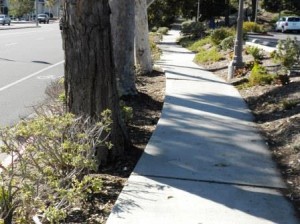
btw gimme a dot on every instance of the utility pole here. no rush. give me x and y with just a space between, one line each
238 43
36 12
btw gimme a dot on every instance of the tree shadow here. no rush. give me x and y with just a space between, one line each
206 151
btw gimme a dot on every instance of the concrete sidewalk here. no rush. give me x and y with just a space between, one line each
205 162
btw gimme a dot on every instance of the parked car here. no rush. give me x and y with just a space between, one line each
288 23
4 19
43 18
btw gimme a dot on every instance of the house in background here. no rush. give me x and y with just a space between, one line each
55 10
3 7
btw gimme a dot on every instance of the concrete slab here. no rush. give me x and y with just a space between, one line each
170 201
204 135
206 130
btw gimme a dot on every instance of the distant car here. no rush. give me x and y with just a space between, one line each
288 23
43 18
4 19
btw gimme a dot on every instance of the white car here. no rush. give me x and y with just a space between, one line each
288 23
43 18
4 19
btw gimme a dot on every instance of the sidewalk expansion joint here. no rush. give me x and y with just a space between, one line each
191 80
211 181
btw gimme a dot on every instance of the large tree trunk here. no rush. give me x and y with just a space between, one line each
90 81
142 46
123 27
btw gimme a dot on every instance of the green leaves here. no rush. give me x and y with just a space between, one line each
288 53
52 174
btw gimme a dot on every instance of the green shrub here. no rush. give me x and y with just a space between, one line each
227 43
185 41
154 38
219 35
195 29
255 52
208 56
53 173
197 45
163 30
252 27
154 29
288 53
126 112
260 76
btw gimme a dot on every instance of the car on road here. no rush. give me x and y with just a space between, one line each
43 18
4 19
288 23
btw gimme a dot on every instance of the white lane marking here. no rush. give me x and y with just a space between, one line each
29 76
46 77
10 44
28 32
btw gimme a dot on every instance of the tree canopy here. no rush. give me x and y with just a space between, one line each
278 5
163 12
21 7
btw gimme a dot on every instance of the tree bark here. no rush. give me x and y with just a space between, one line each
123 27
142 46
90 82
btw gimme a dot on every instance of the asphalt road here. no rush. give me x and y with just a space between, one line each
272 38
29 60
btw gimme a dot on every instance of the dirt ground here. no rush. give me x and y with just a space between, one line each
147 106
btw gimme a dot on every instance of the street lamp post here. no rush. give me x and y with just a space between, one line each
198 11
238 43
256 11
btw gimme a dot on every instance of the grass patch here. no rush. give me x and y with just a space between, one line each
186 41
155 51
197 45
260 76
241 84
208 56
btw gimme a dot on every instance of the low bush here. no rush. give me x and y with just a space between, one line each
186 41
154 38
208 56
227 43
220 34
154 29
194 29
255 52
54 158
252 27
288 53
197 45
163 30
260 76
